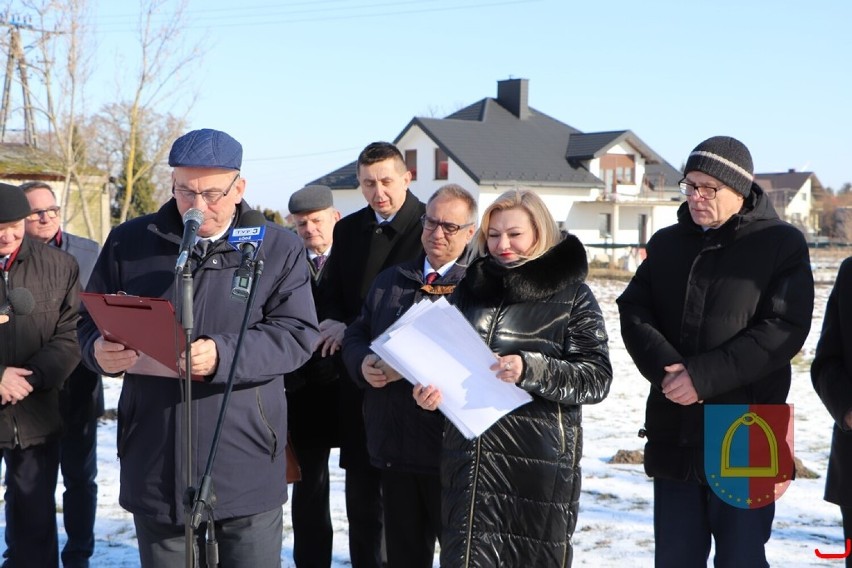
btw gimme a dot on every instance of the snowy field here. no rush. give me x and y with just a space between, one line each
615 523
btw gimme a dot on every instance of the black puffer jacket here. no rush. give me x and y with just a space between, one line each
510 496
733 305
831 374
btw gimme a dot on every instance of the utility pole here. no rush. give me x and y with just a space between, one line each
15 60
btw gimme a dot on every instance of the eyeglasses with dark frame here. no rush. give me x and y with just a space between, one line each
706 191
210 196
50 213
449 229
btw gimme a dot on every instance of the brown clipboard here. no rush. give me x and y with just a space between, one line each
146 325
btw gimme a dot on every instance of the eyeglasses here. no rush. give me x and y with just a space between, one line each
50 213
705 191
449 229
210 196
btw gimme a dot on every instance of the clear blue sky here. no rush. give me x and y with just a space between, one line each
304 85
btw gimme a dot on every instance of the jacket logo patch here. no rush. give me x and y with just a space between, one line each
748 452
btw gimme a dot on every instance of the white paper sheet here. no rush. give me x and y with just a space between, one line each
433 344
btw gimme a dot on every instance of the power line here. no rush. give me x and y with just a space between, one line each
295 156
271 17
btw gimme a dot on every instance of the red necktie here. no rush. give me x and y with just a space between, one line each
431 277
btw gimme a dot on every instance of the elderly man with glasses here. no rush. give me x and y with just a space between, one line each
403 441
713 315
37 353
248 475
81 400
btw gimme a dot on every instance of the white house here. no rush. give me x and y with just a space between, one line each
608 188
793 196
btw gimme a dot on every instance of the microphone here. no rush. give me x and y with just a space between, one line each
246 238
192 219
19 301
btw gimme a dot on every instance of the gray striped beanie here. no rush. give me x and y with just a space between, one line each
726 159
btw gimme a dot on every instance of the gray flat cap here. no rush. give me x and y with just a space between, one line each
206 148
310 198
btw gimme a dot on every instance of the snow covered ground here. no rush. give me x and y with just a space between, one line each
616 509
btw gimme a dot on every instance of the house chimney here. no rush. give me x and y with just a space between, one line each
512 95
791 171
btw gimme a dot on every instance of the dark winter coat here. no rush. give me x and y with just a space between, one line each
510 496
82 398
831 373
45 341
733 305
249 471
313 390
362 249
400 435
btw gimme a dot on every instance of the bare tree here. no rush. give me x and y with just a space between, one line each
64 32
163 55
110 129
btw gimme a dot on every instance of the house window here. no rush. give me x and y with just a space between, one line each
411 163
441 164
618 169
605 225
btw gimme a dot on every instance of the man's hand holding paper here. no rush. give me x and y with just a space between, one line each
377 372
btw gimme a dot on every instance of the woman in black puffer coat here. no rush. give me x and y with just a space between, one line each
510 496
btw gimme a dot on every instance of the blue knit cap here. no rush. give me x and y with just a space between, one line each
206 148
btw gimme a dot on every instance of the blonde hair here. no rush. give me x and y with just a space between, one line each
546 230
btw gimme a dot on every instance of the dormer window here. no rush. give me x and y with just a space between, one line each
618 169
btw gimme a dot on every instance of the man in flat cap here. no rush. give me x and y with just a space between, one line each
313 390
248 474
37 353
713 315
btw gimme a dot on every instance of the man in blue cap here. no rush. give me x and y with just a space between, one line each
249 471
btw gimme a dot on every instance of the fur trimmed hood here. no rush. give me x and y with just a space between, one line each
563 265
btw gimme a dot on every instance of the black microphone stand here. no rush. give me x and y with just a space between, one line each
188 322
205 497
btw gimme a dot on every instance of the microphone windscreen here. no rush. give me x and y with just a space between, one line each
193 215
21 300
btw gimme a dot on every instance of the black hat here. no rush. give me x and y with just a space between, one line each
726 159
13 203
206 148
310 198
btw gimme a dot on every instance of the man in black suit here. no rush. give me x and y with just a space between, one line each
384 233
313 390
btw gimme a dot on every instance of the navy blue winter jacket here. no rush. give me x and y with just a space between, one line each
249 472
